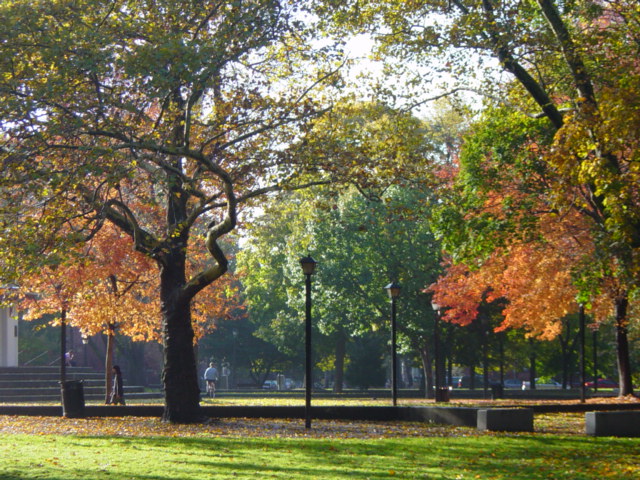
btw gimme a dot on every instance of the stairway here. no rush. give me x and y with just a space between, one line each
42 384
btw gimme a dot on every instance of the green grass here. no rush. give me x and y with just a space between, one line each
513 457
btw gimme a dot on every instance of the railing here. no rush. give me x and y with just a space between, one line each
36 358
55 361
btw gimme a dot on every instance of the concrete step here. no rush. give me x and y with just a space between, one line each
27 370
43 391
30 383
92 398
38 384
45 374
54 395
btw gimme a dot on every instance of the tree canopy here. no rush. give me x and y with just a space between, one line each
571 64
168 120
160 118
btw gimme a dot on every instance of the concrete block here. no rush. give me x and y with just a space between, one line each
506 419
459 416
613 424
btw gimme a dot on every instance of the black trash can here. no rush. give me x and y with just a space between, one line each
442 394
73 399
497 391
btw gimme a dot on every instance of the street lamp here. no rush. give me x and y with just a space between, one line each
582 359
308 265
436 348
393 289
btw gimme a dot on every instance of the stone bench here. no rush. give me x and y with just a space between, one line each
506 419
613 424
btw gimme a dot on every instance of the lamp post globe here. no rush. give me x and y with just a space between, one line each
308 265
393 290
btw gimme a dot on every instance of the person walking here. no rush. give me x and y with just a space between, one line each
211 377
117 387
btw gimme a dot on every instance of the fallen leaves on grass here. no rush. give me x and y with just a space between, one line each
561 424
228 427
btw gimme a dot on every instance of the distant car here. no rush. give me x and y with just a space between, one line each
270 385
602 383
548 385
540 385
513 383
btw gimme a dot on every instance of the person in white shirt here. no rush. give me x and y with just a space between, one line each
211 377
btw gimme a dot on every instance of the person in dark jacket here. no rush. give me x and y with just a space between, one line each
117 387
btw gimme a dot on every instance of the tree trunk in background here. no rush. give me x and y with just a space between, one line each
595 360
428 373
622 343
108 361
501 355
63 347
341 348
532 365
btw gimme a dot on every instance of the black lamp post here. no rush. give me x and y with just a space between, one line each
595 360
234 366
393 289
436 348
582 359
308 265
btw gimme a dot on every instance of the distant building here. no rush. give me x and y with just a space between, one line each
8 337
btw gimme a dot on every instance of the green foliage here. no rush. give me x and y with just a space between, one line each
371 145
498 188
360 246
365 368
363 236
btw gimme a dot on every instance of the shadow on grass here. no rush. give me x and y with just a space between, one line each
513 457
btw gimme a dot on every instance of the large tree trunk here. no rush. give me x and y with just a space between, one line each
622 343
179 376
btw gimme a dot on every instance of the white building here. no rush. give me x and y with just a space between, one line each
8 337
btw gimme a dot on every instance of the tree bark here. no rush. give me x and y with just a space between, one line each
108 362
472 376
63 347
622 342
532 365
341 344
179 376
428 375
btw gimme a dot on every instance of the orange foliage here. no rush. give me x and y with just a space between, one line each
114 284
219 300
534 278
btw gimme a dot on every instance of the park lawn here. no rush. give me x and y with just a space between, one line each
456 454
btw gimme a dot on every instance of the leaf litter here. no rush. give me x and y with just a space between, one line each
563 424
